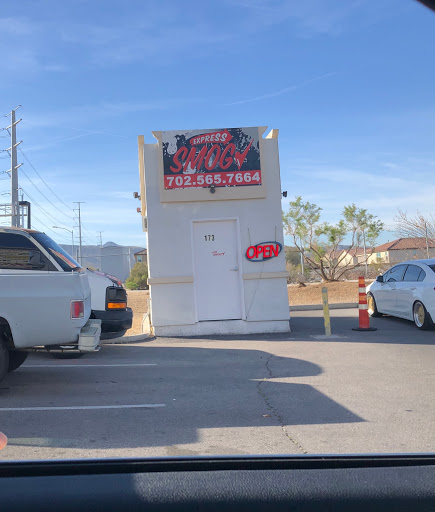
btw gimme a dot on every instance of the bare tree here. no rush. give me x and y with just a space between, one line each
419 226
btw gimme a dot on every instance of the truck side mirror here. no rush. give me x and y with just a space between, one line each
380 279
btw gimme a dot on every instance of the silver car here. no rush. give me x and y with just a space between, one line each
407 291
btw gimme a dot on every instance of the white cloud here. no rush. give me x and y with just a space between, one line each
281 91
135 40
383 192
313 18
76 115
55 68
16 26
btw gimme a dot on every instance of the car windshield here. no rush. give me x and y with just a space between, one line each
60 255
218 187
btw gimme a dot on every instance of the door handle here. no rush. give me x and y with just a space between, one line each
235 269
412 288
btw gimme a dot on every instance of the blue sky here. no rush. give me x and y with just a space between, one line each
349 84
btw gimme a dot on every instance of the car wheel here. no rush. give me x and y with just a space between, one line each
16 359
422 318
4 360
371 306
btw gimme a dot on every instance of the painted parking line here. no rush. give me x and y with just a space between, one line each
82 407
85 365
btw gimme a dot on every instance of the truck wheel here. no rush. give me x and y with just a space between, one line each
4 360
16 359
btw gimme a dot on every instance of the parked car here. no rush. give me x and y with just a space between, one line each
41 304
406 290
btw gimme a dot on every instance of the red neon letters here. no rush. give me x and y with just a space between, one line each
263 252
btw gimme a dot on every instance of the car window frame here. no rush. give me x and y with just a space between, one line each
401 277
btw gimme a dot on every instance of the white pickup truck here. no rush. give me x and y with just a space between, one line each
45 299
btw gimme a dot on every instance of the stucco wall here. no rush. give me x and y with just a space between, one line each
170 261
396 256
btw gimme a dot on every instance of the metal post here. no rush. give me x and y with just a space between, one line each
326 318
302 256
365 252
101 250
427 243
72 237
15 219
22 209
80 230
29 219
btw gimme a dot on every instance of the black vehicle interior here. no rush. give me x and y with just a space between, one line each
334 483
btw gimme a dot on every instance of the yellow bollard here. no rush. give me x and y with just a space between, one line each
326 318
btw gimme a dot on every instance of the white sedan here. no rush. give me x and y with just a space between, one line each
407 290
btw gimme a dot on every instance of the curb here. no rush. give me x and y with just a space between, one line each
138 338
319 307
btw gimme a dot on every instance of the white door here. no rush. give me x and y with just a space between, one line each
408 290
217 279
386 296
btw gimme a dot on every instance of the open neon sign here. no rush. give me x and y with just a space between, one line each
263 251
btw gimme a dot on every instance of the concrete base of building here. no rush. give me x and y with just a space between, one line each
222 327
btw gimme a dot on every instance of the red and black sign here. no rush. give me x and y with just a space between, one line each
263 251
223 158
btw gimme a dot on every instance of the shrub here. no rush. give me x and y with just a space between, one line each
138 278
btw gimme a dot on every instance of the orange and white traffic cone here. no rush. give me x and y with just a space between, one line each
3 441
364 322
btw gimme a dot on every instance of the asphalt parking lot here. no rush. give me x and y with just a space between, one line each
294 393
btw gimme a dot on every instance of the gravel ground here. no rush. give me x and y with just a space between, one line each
137 300
343 291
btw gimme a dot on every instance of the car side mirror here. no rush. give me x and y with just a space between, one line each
380 279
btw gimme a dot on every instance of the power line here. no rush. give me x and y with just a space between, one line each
43 195
47 227
42 210
42 179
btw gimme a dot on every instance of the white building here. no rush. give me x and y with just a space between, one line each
211 207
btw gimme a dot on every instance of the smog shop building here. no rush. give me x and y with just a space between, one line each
211 208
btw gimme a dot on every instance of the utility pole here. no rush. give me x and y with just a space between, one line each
15 218
365 252
101 248
22 209
78 203
72 237
427 243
